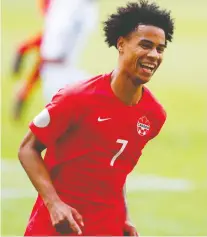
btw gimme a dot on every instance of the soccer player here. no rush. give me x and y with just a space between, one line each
94 133
68 25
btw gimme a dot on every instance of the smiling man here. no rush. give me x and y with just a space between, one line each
94 133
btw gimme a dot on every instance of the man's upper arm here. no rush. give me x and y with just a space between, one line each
31 141
55 119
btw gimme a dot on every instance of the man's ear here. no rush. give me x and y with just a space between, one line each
120 44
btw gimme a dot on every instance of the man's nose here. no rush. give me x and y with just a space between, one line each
153 54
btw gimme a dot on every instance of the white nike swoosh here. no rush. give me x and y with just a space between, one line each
102 119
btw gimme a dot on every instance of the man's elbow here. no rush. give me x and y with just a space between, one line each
22 152
29 148
26 146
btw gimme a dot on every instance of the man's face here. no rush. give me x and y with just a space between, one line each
141 52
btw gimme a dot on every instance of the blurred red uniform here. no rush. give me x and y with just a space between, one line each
43 5
93 142
32 43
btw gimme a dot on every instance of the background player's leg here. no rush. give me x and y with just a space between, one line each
32 43
25 90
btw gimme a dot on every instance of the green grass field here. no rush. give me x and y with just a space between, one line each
179 153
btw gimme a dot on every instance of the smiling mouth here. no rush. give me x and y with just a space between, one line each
148 67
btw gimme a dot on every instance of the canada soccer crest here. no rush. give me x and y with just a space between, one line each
143 126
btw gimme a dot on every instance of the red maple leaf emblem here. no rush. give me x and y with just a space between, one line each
143 126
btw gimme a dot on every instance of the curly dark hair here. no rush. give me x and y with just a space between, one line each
128 18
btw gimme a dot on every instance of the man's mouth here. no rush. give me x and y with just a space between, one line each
148 67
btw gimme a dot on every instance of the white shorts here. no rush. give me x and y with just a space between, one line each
68 25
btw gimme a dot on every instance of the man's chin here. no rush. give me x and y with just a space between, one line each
145 80
142 80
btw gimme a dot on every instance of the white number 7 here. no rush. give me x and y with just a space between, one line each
124 143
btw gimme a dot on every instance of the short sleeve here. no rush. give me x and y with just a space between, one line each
56 118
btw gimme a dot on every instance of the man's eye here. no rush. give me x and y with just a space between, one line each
160 50
144 46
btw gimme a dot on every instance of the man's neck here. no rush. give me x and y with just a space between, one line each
123 87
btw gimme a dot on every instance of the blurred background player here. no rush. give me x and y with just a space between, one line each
67 28
30 44
68 25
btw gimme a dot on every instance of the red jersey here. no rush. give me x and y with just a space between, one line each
93 142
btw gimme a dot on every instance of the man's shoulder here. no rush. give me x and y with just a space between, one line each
154 103
79 93
84 87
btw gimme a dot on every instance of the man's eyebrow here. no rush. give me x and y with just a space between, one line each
150 42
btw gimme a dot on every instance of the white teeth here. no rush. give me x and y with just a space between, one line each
148 65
